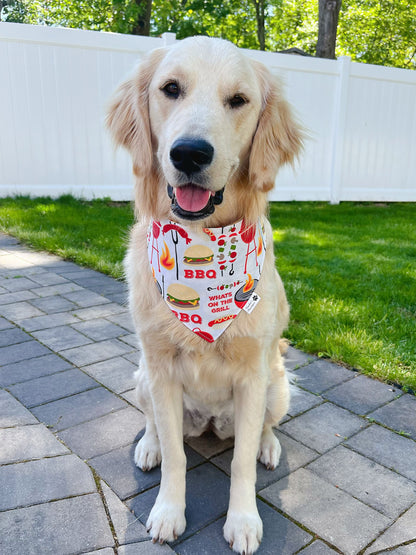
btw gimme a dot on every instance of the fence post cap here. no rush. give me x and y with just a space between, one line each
168 38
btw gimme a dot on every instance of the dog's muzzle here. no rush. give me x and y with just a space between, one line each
191 200
214 200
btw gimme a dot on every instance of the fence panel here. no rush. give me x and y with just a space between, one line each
55 83
379 161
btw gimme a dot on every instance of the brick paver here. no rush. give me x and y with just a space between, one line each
96 352
16 311
33 482
104 434
61 337
362 395
13 413
67 526
373 484
48 321
388 449
22 443
326 510
99 329
13 336
115 373
69 423
302 401
320 375
126 526
323 427
49 388
118 470
39 366
144 548
5 324
399 414
22 351
401 531
76 409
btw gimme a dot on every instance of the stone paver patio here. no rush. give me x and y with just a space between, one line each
346 482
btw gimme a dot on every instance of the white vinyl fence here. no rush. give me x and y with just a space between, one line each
54 85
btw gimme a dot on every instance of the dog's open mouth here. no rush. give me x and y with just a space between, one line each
192 202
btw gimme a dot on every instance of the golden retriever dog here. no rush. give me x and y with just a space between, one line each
207 129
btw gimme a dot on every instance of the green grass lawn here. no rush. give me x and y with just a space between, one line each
349 270
93 234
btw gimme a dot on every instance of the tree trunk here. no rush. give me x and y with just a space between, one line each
260 19
327 32
142 26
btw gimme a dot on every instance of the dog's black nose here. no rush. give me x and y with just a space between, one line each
191 155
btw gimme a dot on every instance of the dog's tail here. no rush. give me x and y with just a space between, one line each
283 345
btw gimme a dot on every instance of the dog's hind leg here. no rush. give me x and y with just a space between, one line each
147 454
269 450
277 405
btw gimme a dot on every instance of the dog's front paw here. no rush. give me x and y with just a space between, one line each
269 451
243 531
166 522
147 454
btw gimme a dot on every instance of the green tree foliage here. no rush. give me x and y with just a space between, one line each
379 32
99 15
287 22
230 19
292 23
371 31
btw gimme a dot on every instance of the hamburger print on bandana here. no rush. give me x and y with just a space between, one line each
206 277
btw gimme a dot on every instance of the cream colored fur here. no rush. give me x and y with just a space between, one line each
236 385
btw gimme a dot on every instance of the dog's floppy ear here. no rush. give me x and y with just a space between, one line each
128 114
278 138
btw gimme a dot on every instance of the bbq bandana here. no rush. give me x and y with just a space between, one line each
207 277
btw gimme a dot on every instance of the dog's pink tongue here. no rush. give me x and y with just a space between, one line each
192 198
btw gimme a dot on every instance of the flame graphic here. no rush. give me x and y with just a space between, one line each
260 247
165 259
249 284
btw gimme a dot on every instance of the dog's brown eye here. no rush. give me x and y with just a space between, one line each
237 100
171 89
